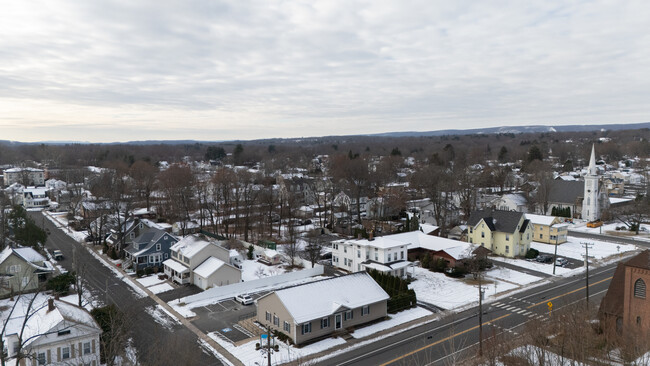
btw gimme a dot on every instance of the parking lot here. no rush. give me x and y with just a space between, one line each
223 317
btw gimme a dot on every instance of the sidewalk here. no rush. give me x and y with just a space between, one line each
229 357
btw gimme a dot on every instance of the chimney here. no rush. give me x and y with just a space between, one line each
370 238
50 305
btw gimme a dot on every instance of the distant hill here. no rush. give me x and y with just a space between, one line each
518 129
486 130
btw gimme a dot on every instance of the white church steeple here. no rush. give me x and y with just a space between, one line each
590 206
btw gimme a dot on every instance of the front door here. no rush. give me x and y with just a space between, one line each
337 321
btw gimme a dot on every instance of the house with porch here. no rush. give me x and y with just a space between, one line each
194 252
149 249
319 309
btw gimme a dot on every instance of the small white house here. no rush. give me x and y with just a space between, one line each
56 334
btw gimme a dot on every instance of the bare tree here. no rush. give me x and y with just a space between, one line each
314 248
352 172
144 177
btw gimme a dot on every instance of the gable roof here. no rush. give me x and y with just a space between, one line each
417 239
612 303
43 320
641 260
498 220
541 219
190 245
566 191
147 239
322 298
208 267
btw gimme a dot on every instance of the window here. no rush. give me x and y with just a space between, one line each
41 358
470 240
541 236
365 310
325 323
287 327
482 234
470 230
348 315
401 254
86 348
389 257
63 332
132 235
15 268
639 289
507 237
345 249
376 256
158 247
358 253
306 328
166 255
507 249
268 316
65 353
276 321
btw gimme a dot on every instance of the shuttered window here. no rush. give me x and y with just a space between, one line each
639 289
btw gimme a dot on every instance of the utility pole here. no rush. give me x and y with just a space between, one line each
555 257
587 246
480 315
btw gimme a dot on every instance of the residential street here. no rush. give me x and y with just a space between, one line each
105 286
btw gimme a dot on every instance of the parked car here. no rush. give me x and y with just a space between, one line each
544 258
57 254
244 299
561 262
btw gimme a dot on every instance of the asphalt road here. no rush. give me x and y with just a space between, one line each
457 336
147 334
618 239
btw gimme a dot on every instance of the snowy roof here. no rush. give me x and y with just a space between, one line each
176 266
619 200
29 254
517 199
208 267
322 298
270 253
43 320
417 239
428 228
190 245
382 242
387 267
540 219
36 191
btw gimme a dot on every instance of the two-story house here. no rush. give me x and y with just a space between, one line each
149 249
383 253
548 229
22 270
197 260
505 233
35 198
56 334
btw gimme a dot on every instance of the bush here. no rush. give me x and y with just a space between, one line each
148 271
439 265
456 272
282 337
61 283
532 253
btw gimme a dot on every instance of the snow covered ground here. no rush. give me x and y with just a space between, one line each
573 248
536 266
395 320
449 293
509 275
150 280
253 270
163 287
581 226
247 354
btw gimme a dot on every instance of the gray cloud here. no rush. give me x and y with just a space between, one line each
300 68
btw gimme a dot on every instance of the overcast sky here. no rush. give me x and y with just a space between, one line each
209 70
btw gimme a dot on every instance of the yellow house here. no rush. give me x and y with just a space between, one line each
548 229
505 233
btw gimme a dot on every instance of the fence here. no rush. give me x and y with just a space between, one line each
219 293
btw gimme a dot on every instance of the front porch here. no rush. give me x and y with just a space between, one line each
177 272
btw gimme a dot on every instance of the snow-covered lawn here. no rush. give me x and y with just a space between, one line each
150 280
535 266
610 228
509 275
247 354
253 270
448 293
163 287
573 248
395 320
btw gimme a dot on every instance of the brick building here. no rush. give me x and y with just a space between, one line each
626 306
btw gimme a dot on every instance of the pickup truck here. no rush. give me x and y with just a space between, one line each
57 254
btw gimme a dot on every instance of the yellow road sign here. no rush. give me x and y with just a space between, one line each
550 304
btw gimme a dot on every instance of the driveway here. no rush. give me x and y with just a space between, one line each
223 317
